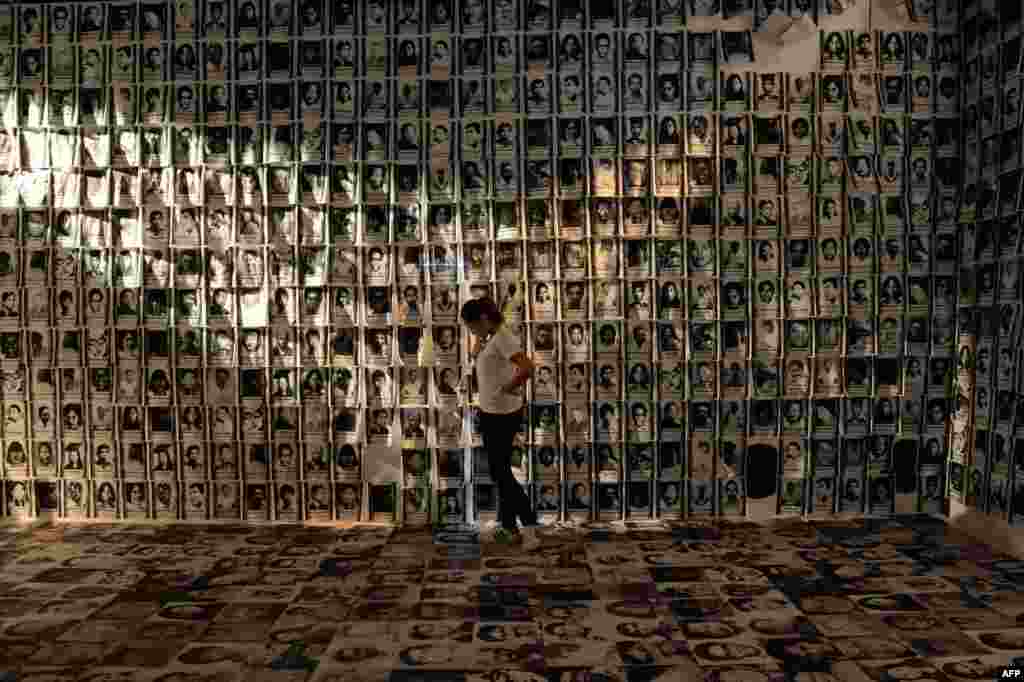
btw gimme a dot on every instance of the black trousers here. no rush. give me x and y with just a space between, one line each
498 432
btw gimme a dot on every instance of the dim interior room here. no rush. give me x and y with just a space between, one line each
764 255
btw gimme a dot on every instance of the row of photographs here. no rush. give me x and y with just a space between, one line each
217 104
567 219
289 112
385 144
675 441
247 335
621 638
878 456
408 428
441 56
293 354
291 501
636 421
223 346
160 241
338 200
382 345
253 268
444 54
797 214
831 296
499 226
254 262
399 152
800 213
411 55
702 457
35 23
385 347
248 264
640 182
637 213
701 300
289 349
381 348
126 245
547 498
112 243
644 187
444 143
883 197
285 347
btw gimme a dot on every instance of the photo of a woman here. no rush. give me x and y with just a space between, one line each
833 51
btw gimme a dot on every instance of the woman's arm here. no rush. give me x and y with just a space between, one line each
474 346
524 365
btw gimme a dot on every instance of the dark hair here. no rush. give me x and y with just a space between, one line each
479 309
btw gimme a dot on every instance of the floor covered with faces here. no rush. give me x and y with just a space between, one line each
850 601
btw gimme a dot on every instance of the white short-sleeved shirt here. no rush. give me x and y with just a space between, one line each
494 369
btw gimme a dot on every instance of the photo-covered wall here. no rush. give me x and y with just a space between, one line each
228 227
986 467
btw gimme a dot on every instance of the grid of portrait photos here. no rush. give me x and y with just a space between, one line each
987 429
227 230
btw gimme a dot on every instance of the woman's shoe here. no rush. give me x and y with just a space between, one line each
503 536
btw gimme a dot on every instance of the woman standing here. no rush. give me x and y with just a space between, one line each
502 370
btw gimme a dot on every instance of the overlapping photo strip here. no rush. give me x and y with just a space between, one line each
226 229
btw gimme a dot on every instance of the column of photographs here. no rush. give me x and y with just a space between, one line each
292 253
989 421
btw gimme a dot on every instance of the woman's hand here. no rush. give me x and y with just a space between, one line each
523 371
